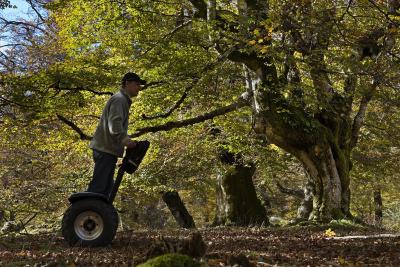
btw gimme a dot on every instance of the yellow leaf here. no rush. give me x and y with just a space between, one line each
297 54
257 31
264 50
252 42
341 260
330 233
274 147
260 41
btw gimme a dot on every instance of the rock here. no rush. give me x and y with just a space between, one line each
193 247
239 260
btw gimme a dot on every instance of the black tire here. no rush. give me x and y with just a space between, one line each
89 223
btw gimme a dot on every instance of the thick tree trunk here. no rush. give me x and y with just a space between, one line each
306 206
329 174
321 143
237 201
178 209
306 194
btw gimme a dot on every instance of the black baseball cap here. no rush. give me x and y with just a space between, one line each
131 76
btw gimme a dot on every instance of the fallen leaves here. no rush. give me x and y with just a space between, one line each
298 246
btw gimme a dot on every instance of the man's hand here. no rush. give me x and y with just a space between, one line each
131 143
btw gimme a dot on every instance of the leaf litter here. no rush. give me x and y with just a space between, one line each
226 246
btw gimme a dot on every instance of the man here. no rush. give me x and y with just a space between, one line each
111 135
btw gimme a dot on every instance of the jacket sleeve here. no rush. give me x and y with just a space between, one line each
115 121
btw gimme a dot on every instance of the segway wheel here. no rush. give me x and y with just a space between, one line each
89 223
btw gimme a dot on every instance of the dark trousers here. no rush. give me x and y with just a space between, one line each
103 174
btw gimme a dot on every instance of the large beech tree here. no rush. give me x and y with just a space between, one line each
315 66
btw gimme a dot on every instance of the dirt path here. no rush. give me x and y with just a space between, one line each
299 246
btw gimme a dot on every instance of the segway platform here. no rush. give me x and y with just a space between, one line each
91 219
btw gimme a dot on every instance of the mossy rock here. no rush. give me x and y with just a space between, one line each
171 260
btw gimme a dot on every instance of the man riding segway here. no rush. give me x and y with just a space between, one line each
92 220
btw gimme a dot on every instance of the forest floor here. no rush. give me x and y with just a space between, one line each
284 246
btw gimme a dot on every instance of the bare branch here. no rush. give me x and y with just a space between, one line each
20 23
8 60
74 127
242 101
36 10
13 45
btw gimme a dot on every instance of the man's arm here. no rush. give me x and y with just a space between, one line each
115 121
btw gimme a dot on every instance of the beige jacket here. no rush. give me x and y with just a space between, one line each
111 134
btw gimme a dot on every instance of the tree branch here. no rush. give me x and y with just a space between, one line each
195 80
359 118
383 12
168 35
74 127
36 10
14 103
20 23
153 84
347 11
242 101
289 191
57 87
174 107
350 84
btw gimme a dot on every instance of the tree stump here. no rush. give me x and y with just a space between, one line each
237 201
178 209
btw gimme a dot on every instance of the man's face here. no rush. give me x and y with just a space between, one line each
133 88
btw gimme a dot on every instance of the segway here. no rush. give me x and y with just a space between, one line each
91 220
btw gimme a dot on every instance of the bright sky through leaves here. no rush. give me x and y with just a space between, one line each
20 12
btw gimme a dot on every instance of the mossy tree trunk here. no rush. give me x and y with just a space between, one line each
322 143
306 206
306 196
237 201
330 176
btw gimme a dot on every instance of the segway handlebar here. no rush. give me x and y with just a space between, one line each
130 163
